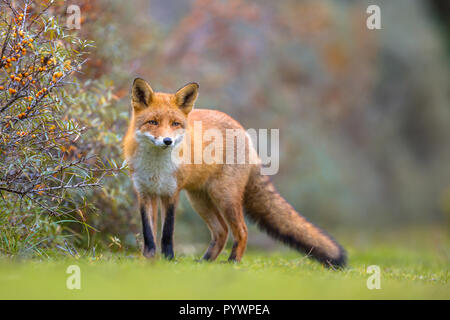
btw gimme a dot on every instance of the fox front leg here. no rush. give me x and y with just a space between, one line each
147 209
169 206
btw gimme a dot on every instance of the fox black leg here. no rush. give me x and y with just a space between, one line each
167 233
149 241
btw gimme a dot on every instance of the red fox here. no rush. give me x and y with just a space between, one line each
219 192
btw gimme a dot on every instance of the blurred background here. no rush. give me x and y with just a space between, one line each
364 115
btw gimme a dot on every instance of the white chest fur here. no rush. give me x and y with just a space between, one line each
154 171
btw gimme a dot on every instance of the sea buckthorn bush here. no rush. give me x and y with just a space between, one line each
46 164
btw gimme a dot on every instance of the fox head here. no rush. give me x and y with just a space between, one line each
160 119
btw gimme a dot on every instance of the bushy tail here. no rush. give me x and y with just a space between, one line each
279 219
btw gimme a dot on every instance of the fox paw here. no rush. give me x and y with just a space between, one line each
149 253
168 252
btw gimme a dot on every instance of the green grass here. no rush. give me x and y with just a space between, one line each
408 271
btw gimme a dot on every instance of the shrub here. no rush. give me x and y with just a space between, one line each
45 161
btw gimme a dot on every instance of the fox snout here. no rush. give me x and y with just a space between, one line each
161 141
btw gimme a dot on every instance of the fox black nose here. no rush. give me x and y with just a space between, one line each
167 141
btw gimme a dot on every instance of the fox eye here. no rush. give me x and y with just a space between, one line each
153 122
176 124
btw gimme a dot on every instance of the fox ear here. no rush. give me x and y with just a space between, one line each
141 94
186 96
